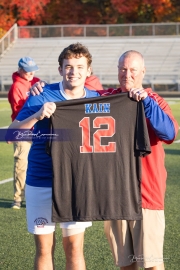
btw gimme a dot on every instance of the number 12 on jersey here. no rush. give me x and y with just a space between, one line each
97 135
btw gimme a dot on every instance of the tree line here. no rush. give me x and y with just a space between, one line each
51 12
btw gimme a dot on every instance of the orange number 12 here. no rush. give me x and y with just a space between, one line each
98 134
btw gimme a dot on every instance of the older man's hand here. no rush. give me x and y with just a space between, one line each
36 89
138 94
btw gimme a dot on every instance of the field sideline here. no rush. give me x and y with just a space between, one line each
16 244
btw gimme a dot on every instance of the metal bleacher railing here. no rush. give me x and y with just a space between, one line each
118 30
8 39
6 42
149 29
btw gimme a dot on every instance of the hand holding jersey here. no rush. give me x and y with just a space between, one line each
46 110
138 94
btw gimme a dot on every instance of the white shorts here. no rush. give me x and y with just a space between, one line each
39 212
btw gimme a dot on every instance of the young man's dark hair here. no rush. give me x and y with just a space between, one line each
75 50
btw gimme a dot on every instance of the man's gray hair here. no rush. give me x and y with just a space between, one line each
131 52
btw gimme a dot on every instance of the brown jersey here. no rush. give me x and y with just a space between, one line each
97 165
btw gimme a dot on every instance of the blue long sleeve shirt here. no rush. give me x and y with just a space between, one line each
159 120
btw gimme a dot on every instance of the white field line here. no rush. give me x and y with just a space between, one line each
6 181
5 110
178 141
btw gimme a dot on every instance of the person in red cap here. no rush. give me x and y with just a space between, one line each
23 79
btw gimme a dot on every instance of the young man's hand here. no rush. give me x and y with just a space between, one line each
46 111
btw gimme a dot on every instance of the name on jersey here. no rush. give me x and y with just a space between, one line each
97 108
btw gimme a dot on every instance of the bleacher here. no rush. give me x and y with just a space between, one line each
162 58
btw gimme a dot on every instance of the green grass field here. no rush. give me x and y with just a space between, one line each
17 245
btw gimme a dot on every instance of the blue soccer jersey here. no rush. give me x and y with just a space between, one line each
39 172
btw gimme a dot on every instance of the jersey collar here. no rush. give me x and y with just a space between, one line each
61 89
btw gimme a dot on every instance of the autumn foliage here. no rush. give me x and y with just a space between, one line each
146 10
22 12
51 12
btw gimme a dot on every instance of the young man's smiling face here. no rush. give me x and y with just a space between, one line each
74 72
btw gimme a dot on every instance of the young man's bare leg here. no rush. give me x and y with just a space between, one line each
44 258
73 247
133 266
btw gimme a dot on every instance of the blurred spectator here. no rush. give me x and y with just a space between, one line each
23 79
93 83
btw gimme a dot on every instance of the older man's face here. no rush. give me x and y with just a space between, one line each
131 72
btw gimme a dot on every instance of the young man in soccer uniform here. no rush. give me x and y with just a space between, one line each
74 66
23 79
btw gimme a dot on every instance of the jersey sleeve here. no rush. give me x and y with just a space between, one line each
32 105
143 147
160 118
